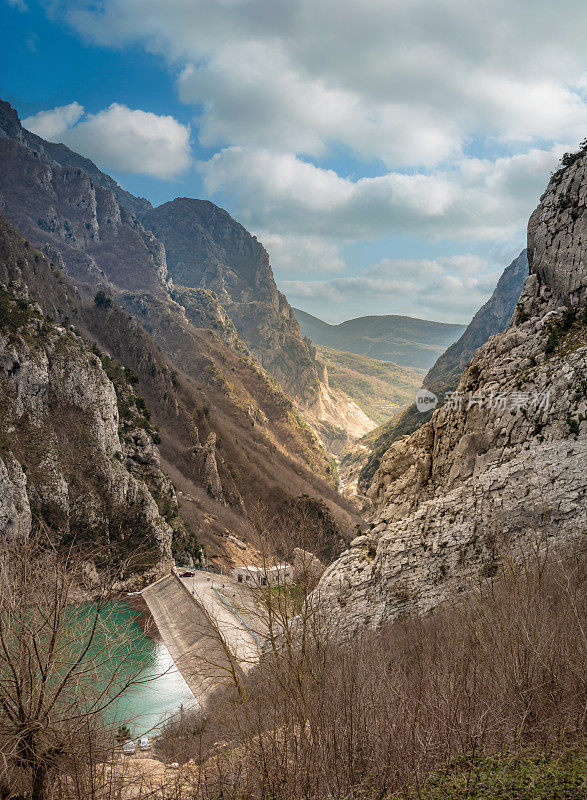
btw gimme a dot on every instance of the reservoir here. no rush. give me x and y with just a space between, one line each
159 690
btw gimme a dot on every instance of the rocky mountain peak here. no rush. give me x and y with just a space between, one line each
556 234
206 248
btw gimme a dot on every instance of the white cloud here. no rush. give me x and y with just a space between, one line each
20 5
476 198
405 81
446 289
412 88
296 255
119 138
53 123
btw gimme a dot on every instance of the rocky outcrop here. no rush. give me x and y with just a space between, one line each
307 567
210 469
501 466
68 458
207 249
15 509
443 377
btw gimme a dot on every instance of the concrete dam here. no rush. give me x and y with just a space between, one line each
208 639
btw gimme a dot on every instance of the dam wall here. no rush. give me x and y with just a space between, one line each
191 634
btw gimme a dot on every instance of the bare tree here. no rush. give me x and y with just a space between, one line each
63 663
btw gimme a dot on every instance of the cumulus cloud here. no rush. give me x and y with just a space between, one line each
451 116
53 123
476 198
406 82
295 255
447 289
119 138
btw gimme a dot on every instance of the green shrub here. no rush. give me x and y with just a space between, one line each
552 341
505 776
101 299
521 314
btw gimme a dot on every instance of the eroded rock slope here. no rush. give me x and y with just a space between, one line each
77 452
504 463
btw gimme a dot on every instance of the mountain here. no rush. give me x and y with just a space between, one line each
59 154
493 317
409 342
90 227
380 388
207 249
500 470
230 437
68 458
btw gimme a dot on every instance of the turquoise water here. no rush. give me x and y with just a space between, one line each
158 689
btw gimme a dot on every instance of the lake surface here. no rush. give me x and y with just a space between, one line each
160 691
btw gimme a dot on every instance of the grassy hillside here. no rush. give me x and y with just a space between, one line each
409 342
380 388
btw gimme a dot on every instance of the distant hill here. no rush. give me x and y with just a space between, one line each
380 388
493 317
409 342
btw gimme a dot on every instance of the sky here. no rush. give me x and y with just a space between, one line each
387 153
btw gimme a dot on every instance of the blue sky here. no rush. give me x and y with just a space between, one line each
387 152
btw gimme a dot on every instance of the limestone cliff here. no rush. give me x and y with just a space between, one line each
76 451
503 463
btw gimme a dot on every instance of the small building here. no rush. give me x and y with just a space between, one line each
276 575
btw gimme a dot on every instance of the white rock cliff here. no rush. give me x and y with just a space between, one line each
504 464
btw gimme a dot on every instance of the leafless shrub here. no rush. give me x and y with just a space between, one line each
500 665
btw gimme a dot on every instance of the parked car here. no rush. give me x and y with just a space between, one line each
144 743
128 748
187 574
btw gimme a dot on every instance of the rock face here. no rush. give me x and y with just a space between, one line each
67 454
443 377
207 249
502 464
307 567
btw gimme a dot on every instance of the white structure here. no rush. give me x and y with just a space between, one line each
277 575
